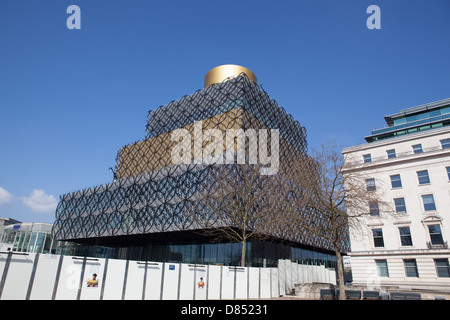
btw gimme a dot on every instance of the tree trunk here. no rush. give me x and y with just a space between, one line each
340 270
244 244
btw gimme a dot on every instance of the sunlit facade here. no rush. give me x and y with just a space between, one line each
144 212
403 242
30 237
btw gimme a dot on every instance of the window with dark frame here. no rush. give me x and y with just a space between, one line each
378 237
411 268
370 184
445 144
435 234
373 207
367 158
442 268
428 202
405 236
382 268
423 177
391 153
396 181
417 148
400 205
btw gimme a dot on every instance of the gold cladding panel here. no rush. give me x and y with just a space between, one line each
155 153
221 73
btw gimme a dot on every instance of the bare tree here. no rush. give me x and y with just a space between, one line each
326 200
238 205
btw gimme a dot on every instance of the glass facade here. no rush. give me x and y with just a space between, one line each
409 131
422 116
258 253
32 241
412 120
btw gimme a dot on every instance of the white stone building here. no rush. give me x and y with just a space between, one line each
405 244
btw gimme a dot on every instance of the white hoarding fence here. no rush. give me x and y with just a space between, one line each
29 276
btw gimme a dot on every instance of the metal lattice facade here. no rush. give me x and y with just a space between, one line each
150 194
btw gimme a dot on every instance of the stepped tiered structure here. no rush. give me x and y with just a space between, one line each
148 203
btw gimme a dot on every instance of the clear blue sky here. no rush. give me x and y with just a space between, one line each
69 99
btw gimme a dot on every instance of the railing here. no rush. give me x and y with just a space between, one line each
410 124
398 155
443 245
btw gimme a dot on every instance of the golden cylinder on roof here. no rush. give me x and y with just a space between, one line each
221 73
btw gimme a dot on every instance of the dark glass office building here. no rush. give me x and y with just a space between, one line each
143 213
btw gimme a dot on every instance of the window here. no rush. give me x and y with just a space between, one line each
445 143
370 184
382 268
435 234
374 210
423 116
396 182
411 118
398 121
417 148
423 177
435 113
378 237
428 202
411 268
391 154
442 268
445 110
367 158
448 173
405 236
400 206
